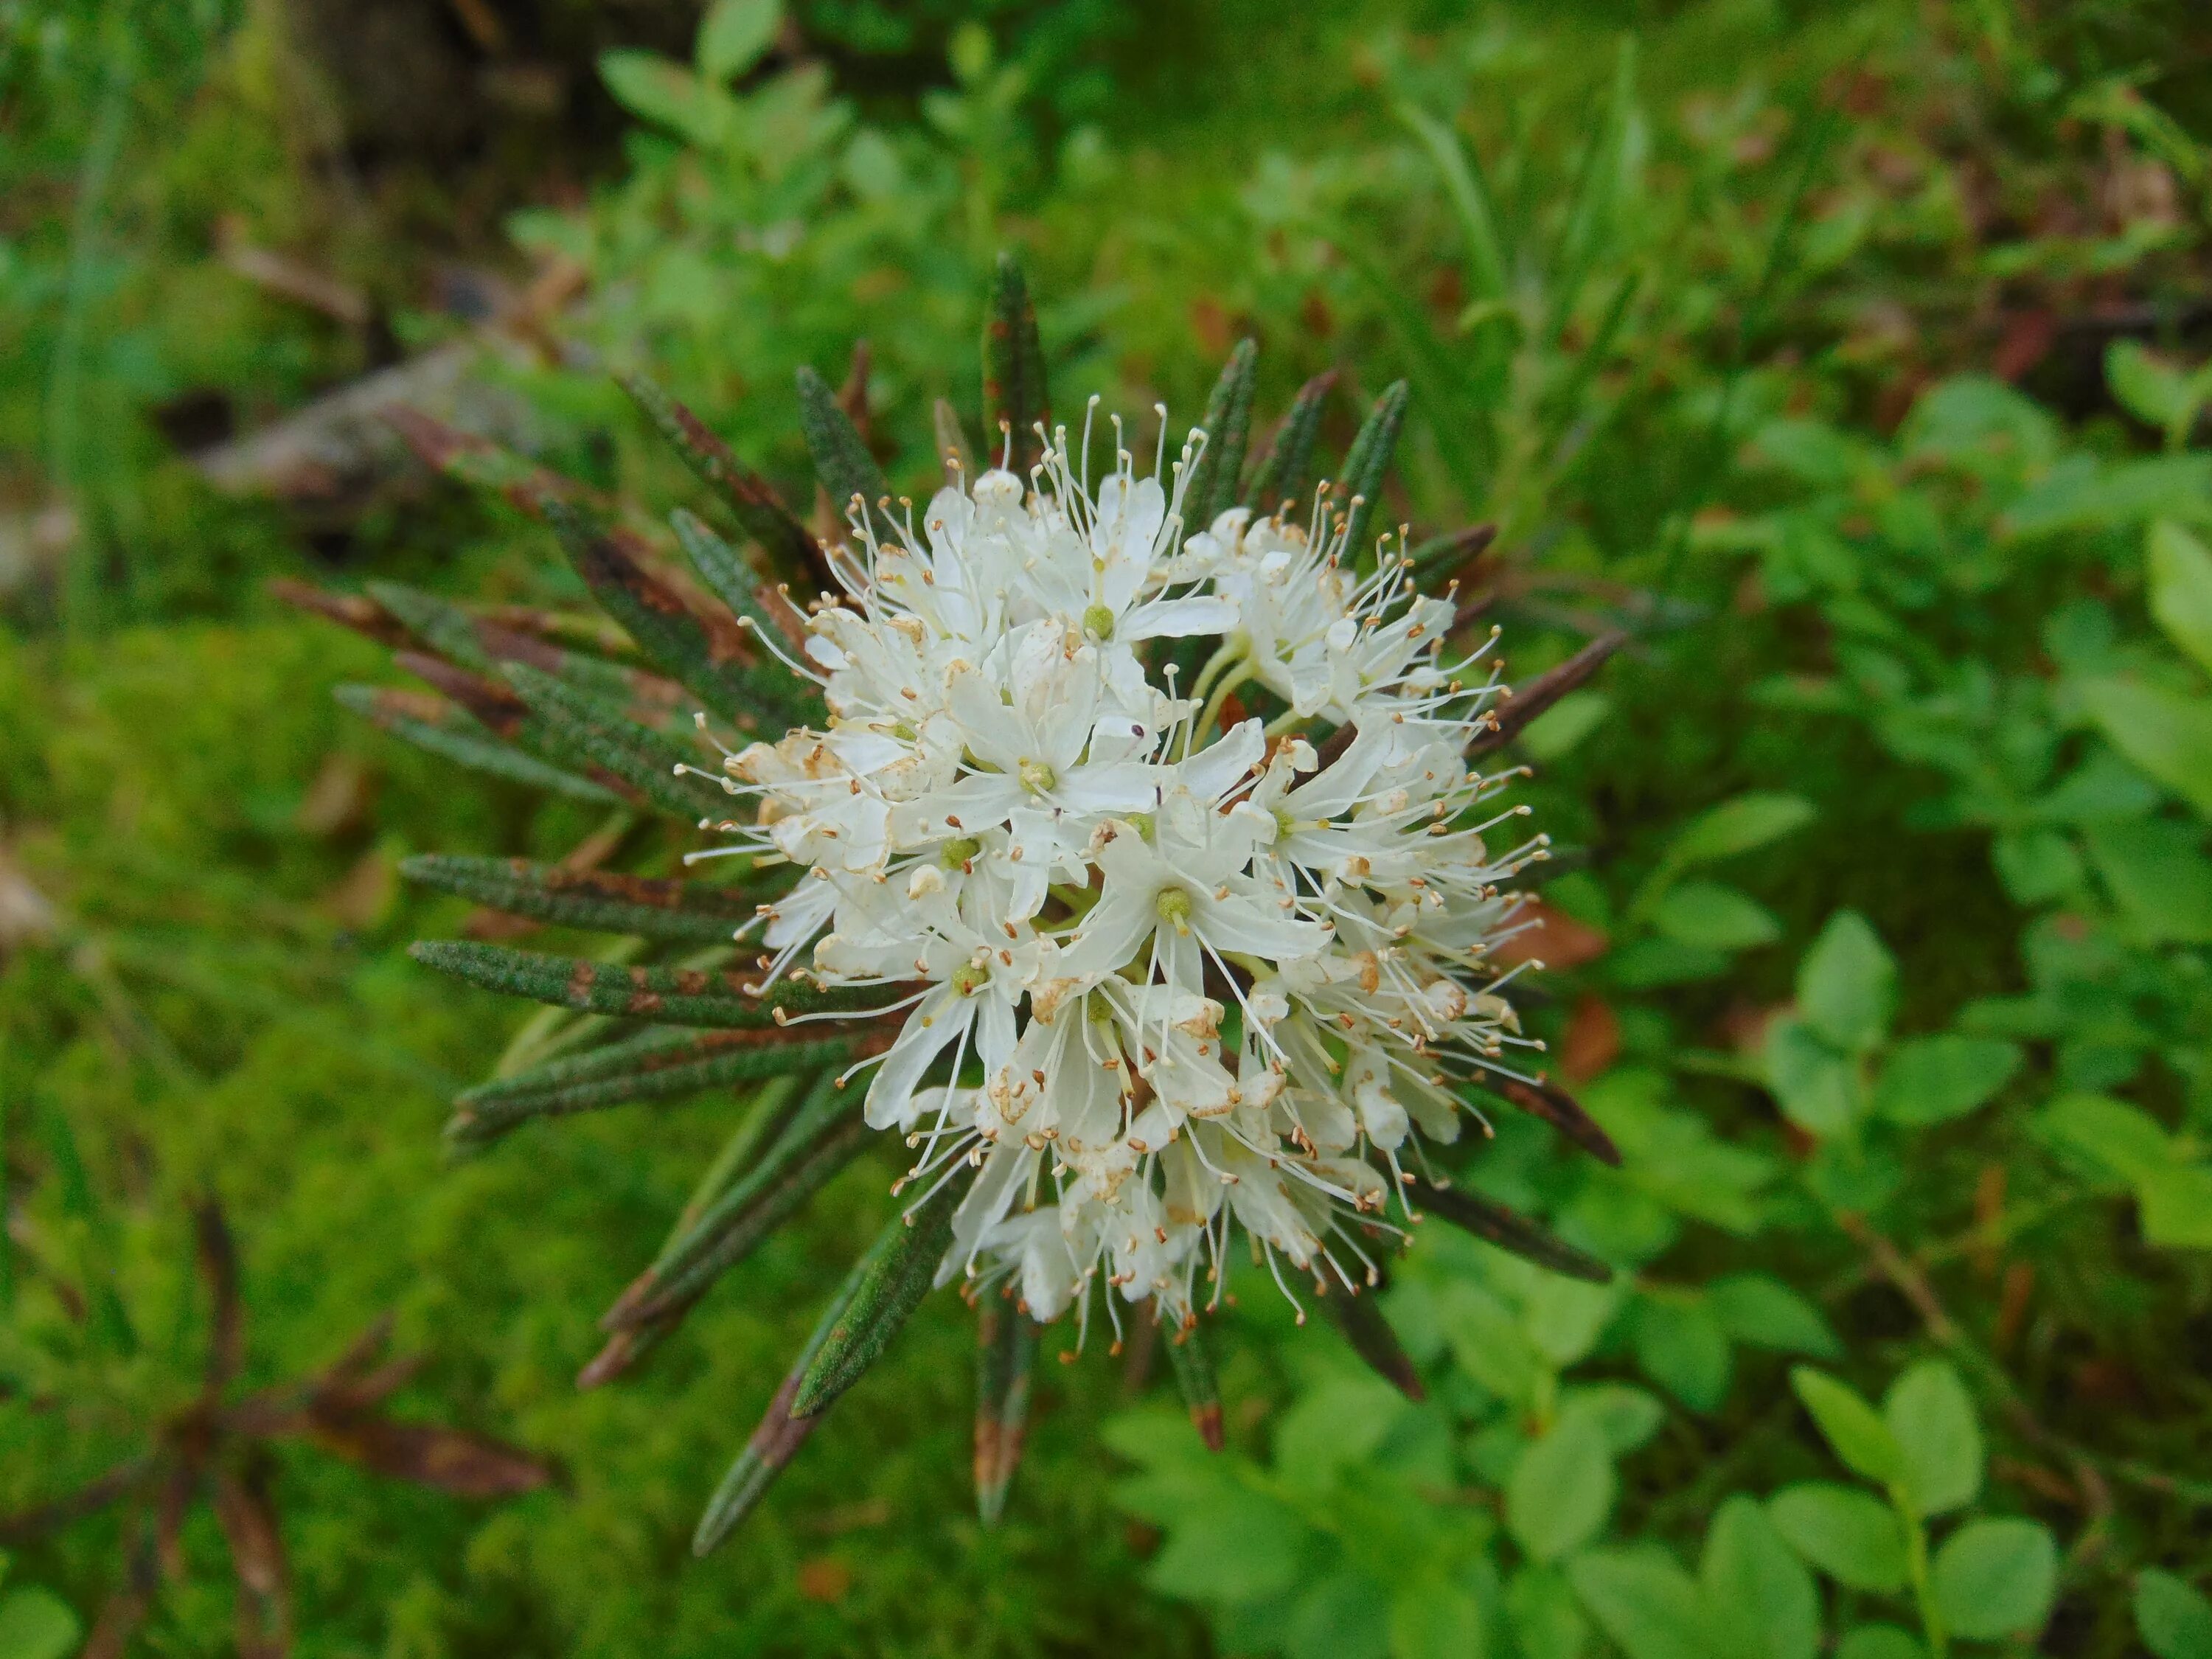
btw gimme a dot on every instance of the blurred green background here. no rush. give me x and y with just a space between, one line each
1851 355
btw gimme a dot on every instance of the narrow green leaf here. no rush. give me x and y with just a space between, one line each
790 549
445 731
793 700
701 652
480 646
1369 462
655 1066
721 999
583 730
1015 399
1190 1356
821 1136
841 459
891 1280
1228 426
1006 1353
1281 479
776 1441
598 900
1469 196
1509 1230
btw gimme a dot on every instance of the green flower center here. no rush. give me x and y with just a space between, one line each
1174 906
1036 776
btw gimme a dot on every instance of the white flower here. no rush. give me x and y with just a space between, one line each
1158 977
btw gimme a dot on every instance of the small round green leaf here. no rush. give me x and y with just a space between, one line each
1994 1578
1853 1430
1562 1489
1847 1534
1932 1421
2172 1616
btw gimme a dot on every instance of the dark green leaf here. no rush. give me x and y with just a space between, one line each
1190 1355
1282 477
431 724
1005 1352
888 1286
704 652
592 733
843 461
719 998
791 552
1508 1230
1369 462
656 1065
1015 400
2173 1616
821 1138
599 900
1228 426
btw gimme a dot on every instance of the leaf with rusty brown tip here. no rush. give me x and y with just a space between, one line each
1511 715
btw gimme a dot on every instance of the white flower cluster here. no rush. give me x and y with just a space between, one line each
1168 976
